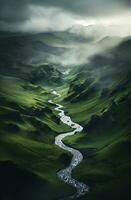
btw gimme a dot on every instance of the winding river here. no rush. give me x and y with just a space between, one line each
65 174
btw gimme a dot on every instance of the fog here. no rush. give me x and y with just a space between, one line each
50 15
85 18
79 53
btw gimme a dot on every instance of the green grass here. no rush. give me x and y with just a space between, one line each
12 89
29 123
27 130
106 121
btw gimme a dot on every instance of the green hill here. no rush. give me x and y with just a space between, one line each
97 95
101 103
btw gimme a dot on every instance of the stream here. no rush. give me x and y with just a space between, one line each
65 174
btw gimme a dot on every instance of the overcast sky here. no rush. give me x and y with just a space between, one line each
44 15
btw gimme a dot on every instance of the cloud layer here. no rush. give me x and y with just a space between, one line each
55 14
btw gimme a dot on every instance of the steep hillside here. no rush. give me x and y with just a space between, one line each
99 98
21 49
28 126
96 94
46 74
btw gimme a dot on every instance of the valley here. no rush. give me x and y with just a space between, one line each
96 95
77 157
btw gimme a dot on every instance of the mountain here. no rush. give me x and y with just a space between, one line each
96 94
46 74
28 123
99 98
22 51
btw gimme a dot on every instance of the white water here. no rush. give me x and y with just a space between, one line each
65 174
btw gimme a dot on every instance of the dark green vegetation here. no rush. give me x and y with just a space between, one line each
97 95
100 99
28 127
20 183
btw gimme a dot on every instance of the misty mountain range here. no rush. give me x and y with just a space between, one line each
90 68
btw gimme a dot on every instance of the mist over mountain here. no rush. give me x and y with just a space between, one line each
65 99
100 30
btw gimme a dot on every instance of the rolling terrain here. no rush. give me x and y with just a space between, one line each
102 105
96 94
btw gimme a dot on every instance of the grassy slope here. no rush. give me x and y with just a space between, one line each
29 124
27 130
106 140
107 129
107 171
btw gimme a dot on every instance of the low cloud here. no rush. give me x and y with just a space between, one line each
81 53
47 19
43 15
